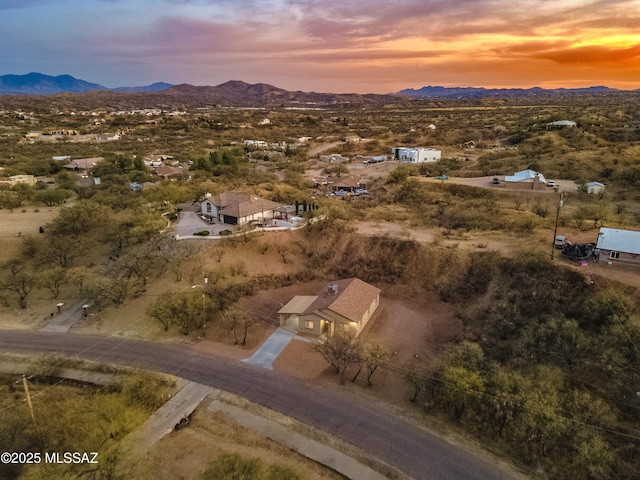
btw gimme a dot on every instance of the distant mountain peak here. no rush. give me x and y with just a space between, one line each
154 87
239 93
40 84
234 84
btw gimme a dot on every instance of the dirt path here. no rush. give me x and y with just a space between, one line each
323 148
500 242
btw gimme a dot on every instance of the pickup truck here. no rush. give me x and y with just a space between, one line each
560 241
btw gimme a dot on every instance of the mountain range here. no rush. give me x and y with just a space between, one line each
65 91
40 84
466 92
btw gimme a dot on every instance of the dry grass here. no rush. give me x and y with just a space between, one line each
17 224
186 453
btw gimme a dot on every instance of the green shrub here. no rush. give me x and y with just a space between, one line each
230 466
203 233
225 233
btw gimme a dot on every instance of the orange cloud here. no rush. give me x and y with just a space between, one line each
593 55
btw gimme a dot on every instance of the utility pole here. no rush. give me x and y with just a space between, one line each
555 230
204 301
33 416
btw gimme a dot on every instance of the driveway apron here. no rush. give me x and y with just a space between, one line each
271 348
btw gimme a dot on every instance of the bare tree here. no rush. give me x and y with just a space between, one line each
239 321
417 377
63 250
53 279
340 350
186 310
282 251
77 276
375 354
218 253
17 280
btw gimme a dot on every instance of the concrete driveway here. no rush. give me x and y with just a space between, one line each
272 347
189 222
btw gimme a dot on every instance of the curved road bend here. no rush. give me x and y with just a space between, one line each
413 450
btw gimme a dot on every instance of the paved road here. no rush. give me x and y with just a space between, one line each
396 441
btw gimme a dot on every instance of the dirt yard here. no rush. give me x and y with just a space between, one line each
19 223
185 453
413 326
487 182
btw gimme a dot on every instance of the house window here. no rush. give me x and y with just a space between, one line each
614 255
208 207
308 324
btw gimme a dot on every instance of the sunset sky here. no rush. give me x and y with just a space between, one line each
364 46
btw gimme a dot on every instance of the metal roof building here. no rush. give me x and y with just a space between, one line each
626 241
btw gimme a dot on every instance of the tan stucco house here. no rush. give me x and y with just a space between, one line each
341 305
26 179
238 208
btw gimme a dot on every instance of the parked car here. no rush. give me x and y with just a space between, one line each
442 177
551 183
496 181
340 193
362 191
560 241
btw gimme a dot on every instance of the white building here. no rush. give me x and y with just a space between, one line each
619 245
416 155
564 123
525 179
595 188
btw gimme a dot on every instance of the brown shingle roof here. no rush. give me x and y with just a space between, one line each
350 181
166 171
239 204
352 298
84 163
